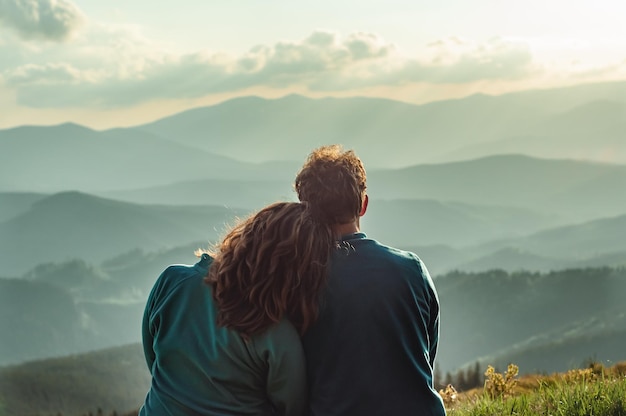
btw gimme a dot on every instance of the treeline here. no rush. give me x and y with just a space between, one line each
462 379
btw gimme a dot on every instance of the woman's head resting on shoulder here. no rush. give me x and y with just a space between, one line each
269 266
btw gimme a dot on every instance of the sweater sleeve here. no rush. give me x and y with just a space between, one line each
148 326
281 350
433 324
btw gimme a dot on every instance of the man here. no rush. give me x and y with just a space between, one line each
372 350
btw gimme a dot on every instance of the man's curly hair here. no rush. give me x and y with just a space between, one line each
332 182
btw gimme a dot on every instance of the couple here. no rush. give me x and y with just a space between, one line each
296 313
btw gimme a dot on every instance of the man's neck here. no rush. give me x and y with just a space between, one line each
347 228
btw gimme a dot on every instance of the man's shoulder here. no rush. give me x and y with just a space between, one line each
396 253
407 260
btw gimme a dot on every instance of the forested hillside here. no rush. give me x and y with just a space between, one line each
114 379
542 321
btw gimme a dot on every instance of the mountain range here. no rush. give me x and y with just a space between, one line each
385 132
73 225
72 157
574 190
581 123
516 203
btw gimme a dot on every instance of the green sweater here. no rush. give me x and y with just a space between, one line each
372 350
199 367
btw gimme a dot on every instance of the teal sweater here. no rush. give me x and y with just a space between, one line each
373 348
201 368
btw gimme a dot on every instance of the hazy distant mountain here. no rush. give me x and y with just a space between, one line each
512 259
562 99
132 274
444 259
75 225
37 320
384 132
580 242
572 190
76 306
592 131
138 166
40 320
392 134
72 225
256 129
583 122
251 194
403 222
15 203
568 190
439 259
71 157
595 243
568 123
563 191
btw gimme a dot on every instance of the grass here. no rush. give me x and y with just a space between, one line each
596 391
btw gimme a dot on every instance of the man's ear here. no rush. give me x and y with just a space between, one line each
366 200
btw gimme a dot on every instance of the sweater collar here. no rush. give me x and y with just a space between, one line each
205 262
353 236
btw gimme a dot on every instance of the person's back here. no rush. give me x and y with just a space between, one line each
199 367
222 337
372 349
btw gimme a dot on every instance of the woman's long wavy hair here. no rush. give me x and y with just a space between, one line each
272 264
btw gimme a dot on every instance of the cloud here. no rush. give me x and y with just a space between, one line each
319 53
616 70
459 61
55 20
115 72
36 75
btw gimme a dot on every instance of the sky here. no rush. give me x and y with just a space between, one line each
115 63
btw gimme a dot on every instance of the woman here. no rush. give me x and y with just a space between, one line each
222 337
